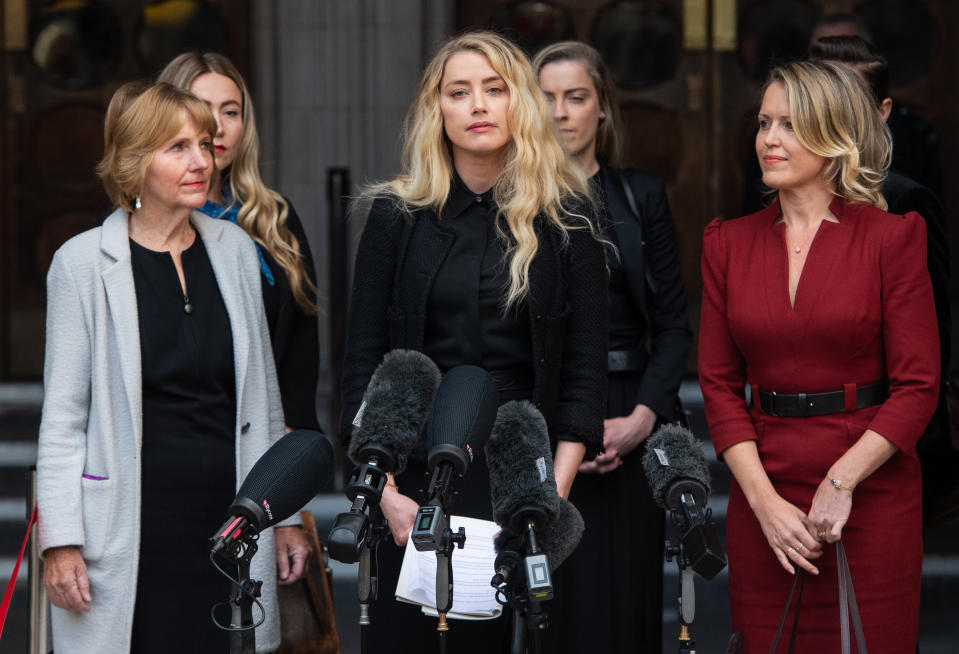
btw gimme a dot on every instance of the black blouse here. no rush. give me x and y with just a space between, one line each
189 387
188 469
465 323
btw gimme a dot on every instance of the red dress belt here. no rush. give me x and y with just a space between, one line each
801 405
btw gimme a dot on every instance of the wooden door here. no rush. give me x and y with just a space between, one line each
690 73
59 65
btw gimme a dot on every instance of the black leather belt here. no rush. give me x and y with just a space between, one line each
800 405
627 360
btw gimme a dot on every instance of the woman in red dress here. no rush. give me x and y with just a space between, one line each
823 293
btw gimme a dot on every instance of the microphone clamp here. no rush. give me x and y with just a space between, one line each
351 530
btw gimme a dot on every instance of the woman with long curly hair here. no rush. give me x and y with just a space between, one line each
822 303
286 264
480 252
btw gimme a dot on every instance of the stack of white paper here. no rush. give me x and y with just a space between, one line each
473 597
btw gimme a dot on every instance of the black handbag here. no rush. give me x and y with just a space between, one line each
848 612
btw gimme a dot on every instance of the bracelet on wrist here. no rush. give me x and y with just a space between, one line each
838 485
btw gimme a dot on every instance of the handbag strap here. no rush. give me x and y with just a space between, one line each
800 580
848 604
631 200
11 585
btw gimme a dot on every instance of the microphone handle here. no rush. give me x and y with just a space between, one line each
232 529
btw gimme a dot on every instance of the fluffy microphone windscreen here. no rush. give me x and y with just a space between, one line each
673 454
563 534
558 540
463 410
395 407
287 476
521 465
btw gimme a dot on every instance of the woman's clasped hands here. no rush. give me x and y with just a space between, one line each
789 533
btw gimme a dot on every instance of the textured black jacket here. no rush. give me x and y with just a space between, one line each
650 258
398 257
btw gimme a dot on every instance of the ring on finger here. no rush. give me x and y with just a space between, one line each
821 534
800 546
790 549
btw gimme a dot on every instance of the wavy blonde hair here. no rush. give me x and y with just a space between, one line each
609 146
834 116
263 211
138 121
538 177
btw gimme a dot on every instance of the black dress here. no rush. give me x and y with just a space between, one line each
608 594
188 468
464 326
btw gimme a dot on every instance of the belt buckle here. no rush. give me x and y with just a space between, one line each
803 410
772 403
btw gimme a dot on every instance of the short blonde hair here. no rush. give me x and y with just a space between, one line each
609 147
538 177
834 116
136 125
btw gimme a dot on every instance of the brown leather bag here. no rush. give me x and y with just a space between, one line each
306 607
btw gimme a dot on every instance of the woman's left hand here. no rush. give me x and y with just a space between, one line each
293 553
620 437
829 512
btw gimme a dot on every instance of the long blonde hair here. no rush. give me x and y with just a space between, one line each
834 116
538 177
262 211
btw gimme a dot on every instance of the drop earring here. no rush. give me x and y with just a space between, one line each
136 203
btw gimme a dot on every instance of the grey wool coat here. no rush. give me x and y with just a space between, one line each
91 428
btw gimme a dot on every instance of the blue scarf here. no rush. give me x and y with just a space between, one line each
230 212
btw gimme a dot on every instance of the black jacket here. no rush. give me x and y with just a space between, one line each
398 257
650 258
294 334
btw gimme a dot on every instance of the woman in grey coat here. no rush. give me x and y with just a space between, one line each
160 394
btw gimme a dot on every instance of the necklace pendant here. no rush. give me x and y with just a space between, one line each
187 307
797 249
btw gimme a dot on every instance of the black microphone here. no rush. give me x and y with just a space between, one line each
674 464
279 484
387 426
459 422
522 483
535 520
394 409
678 477
557 538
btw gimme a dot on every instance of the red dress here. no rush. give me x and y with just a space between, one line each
863 313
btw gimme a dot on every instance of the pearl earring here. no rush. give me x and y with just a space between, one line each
136 203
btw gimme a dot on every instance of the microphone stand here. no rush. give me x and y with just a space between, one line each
355 536
367 584
686 595
243 591
525 593
431 529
